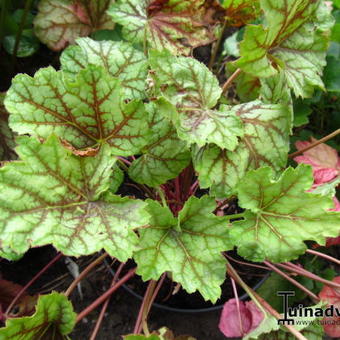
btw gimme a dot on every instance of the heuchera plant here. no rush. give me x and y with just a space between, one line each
145 109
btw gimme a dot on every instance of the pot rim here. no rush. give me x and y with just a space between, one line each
186 310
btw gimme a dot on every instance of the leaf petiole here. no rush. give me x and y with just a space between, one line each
318 142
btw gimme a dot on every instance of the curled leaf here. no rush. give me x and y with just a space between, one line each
54 319
237 322
194 91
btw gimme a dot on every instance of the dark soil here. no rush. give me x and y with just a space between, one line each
123 308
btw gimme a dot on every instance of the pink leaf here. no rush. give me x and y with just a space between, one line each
323 159
332 296
237 323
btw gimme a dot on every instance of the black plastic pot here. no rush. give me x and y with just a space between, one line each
185 310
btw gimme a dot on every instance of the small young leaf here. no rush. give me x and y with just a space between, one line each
53 196
7 143
120 59
178 26
189 246
294 39
265 143
281 215
86 111
54 319
194 90
60 22
164 157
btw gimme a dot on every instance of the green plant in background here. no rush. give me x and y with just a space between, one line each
143 108
16 29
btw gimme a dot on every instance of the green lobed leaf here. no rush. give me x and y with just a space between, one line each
189 246
54 319
86 111
194 91
265 143
164 157
293 39
53 196
120 59
60 22
178 26
7 142
281 215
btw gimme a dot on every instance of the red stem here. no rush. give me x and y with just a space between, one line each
245 263
147 303
294 282
125 160
106 304
23 290
103 297
298 270
237 304
325 256
193 188
138 325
